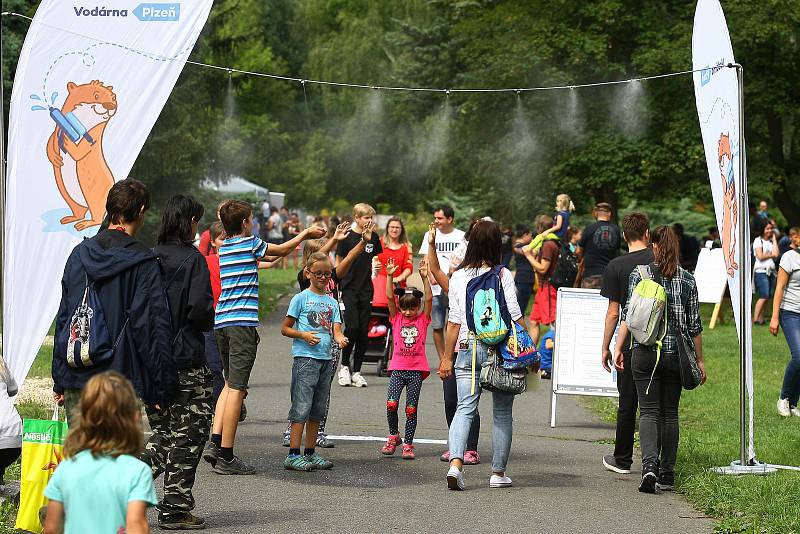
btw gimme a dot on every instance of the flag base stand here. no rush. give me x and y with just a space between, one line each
736 468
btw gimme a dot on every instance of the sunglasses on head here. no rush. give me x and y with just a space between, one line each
400 291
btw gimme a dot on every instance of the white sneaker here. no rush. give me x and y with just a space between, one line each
455 479
344 376
783 408
496 481
358 381
795 411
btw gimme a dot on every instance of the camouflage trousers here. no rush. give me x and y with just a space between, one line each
179 434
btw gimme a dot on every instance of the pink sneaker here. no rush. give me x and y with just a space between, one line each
408 451
391 444
445 457
472 458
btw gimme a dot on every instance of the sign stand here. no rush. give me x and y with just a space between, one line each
580 322
711 280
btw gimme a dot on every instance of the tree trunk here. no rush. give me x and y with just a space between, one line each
783 195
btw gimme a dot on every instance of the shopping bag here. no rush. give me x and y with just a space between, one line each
42 451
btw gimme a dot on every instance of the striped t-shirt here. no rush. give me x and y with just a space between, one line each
238 270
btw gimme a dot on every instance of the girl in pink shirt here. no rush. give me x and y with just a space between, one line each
409 365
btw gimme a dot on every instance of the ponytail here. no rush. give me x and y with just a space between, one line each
668 251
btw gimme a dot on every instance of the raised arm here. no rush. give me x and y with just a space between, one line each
433 261
391 268
342 231
315 232
427 302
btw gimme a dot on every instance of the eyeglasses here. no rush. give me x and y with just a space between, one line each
321 274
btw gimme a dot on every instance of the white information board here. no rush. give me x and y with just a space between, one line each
710 275
580 321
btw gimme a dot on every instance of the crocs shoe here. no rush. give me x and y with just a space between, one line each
391 444
472 458
408 451
445 457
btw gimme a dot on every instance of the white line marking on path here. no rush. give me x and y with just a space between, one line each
379 438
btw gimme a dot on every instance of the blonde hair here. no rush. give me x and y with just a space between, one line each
564 203
361 210
315 258
312 246
109 422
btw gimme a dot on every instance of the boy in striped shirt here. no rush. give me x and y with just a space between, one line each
235 324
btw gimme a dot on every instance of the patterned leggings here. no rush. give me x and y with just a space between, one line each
412 381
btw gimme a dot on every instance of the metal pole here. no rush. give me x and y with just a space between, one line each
744 250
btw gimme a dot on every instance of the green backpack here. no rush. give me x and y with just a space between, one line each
647 312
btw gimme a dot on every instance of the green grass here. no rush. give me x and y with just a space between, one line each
710 437
273 284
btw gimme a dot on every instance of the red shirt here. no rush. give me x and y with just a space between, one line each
216 284
205 244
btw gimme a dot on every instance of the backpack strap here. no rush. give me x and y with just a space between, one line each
653 268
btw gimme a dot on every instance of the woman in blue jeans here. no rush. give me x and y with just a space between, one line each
657 377
786 315
483 252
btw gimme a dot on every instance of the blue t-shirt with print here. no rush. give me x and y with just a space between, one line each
95 491
314 313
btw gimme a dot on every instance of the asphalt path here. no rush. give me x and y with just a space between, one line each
560 484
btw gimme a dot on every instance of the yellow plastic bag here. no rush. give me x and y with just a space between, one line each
42 451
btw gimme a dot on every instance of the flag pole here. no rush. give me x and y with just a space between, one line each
744 465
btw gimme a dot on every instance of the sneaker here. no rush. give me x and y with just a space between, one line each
610 463
298 462
783 408
344 376
235 467
391 444
243 412
648 484
408 451
318 462
185 521
211 453
795 411
286 438
445 457
472 458
358 381
666 482
455 479
496 481
324 442
546 375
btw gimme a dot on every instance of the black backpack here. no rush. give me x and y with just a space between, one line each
566 270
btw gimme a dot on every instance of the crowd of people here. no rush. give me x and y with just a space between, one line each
175 328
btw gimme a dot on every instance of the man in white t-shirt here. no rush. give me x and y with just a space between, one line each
448 238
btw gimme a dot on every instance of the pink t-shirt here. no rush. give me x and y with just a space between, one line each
409 344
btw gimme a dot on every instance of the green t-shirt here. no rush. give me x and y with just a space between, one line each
86 485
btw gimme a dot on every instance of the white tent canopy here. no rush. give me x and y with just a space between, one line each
236 185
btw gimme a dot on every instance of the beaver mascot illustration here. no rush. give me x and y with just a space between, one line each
83 178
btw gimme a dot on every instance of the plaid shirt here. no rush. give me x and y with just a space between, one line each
683 309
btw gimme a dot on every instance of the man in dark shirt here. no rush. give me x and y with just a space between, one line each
598 246
690 248
357 293
636 229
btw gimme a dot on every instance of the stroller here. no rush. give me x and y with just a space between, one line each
379 347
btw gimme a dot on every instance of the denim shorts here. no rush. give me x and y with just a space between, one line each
311 386
765 285
439 311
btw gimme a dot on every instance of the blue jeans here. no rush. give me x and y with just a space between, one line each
439 311
790 323
311 388
502 405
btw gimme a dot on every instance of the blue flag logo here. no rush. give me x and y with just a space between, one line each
170 12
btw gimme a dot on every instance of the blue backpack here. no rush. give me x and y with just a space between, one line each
88 342
488 319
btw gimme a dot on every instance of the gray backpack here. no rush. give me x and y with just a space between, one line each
647 310
647 313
